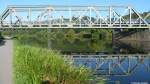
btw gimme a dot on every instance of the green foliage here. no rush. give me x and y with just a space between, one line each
0 35
70 35
66 39
33 65
103 34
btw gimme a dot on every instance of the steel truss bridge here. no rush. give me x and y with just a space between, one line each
47 16
117 65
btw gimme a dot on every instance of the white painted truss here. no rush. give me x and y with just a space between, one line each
47 16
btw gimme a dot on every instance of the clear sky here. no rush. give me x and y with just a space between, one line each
139 5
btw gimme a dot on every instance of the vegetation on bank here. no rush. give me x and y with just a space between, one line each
84 40
104 34
34 65
1 37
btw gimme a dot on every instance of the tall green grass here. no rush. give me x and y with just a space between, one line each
34 65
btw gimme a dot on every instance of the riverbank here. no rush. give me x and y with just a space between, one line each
33 65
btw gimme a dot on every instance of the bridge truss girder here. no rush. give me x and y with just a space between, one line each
45 16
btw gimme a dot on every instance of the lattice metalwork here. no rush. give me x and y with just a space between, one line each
46 16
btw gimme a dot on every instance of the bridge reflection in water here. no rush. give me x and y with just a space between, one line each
112 65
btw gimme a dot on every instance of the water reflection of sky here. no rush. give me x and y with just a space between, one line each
140 74
125 70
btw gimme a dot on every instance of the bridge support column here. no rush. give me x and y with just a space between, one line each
110 16
10 18
29 17
130 16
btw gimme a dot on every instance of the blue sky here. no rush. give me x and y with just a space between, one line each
139 5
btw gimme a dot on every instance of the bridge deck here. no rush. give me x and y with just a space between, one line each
75 26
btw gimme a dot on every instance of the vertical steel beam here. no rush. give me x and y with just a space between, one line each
49 17
10 17
80 21
90 15
140 22
100 21
120 21
70 16
29 17
110 15
130 15
62 20
113 16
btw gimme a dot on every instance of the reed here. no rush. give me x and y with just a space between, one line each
33 65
